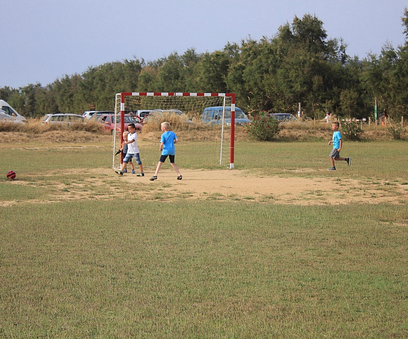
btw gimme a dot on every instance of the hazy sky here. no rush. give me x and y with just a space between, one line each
43 40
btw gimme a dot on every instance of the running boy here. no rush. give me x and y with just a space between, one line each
337 145
167 141
133 151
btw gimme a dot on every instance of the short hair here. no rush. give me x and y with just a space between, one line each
166 125
132 125
336 123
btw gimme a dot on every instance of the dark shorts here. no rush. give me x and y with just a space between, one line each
335 153
164 157
129 157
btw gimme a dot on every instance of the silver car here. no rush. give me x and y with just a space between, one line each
9 114
62 118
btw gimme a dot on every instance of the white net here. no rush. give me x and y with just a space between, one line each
190 104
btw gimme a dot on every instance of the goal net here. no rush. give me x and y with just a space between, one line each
191 104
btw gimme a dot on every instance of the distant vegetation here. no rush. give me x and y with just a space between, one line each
298 65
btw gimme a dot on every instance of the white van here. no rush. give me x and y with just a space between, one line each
9 114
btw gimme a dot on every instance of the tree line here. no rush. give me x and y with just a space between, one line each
298 65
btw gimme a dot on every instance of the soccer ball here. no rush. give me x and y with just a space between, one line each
11 175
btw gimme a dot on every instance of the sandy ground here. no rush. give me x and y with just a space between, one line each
236 185
199 185
220 185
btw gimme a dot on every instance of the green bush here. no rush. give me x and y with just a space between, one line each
263 127
351 130
396 132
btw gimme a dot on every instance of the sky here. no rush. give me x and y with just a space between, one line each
44 40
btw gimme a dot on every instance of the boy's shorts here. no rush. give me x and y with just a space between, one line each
164 157
335 153
129 157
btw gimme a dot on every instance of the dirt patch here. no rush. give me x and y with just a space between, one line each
219 185
237 185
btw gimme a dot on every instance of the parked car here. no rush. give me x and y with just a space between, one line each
140 113
108 121
62 118
89 114
283 117
156 114
9 114
213 116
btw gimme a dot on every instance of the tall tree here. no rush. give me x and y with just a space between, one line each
213 72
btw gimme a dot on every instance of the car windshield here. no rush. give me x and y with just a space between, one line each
238 113
128 119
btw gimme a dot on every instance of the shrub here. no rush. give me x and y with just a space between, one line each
396 132
263 127
351 130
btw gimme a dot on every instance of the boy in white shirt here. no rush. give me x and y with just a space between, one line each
133 151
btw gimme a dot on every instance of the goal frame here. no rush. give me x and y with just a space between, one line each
123 96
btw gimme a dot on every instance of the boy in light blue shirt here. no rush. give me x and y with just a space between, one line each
337 145
167 141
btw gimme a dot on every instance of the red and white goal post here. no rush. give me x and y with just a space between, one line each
192 104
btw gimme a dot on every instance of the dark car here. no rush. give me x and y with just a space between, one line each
213 116
108 121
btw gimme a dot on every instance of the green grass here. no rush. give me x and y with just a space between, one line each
201 269
86 269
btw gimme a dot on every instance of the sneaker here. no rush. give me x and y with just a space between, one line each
124 171
153 178
133 172
119 172
331 169
180 177
348 161
141 174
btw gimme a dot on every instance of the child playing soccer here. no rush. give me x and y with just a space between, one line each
124 150
167 141
337 145
133 151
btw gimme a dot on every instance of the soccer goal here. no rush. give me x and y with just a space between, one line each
192 104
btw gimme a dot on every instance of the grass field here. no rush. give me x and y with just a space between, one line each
111 264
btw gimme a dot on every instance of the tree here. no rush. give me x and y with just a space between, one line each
405 24
170 78
213 72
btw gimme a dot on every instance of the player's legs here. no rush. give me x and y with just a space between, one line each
176 168
159 165
139 162
179 177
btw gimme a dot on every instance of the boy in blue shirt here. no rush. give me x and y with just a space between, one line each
337 145
167 141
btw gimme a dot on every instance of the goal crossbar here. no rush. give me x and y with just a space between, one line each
231 96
